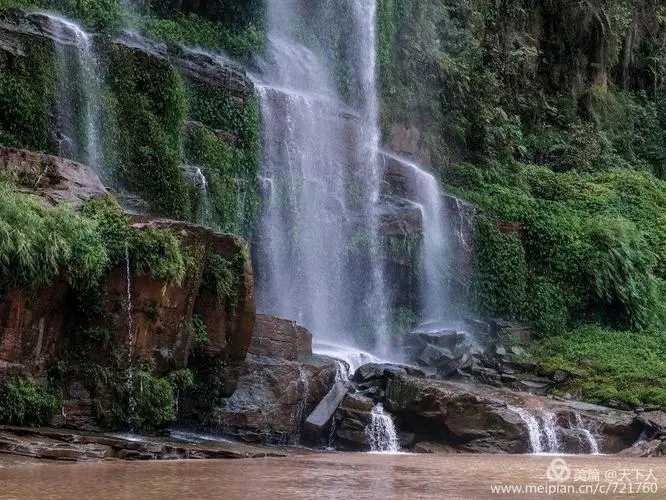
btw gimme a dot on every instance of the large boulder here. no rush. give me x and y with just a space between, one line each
273 397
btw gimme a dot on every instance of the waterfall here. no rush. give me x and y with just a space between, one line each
319 251
434 252
204 209
128 281
533 428
381 433
304 394
78 113
587 435
550 431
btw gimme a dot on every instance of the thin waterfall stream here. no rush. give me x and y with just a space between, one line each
78 110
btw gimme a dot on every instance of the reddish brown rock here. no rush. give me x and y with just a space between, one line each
160 322
31 329
280 338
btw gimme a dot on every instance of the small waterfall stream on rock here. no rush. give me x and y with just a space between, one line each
544 431
587 435
381 432
533 428
130 333
78 110
435 253
320 259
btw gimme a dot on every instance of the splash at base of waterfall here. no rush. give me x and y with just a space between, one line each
381 433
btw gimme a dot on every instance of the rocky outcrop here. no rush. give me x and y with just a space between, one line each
160 319
55 444
198 66
280 338
476 417
55 179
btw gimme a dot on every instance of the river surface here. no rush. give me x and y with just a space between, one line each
338 476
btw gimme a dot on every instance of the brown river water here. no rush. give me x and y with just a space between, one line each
340 476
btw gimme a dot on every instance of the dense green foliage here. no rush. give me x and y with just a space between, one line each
150 107
607 366
23 402
551 118
226 147
39 245
585 244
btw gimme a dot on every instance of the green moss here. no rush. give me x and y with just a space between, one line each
222 278
609 365
23 402
27 97
227 149
150 109
98 15
502 272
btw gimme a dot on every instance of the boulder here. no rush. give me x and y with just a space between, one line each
319 421
273 397
653 448
655 421
374 371
351 420
455 414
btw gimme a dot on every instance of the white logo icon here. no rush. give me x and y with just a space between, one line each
558 471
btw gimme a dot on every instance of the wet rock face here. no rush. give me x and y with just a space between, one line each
273 397
279 338
55 179
162 313
32 322
31 329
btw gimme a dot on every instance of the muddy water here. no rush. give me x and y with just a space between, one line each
344 476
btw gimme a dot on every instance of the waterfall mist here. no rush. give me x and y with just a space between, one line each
320 259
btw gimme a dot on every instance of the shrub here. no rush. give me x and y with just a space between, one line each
157 252
38 244
23 402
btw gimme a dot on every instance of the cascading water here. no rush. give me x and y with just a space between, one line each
533 428
318 245
550 431
304 394
435 253
130 335
380 432
78 111
587 435
204 208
